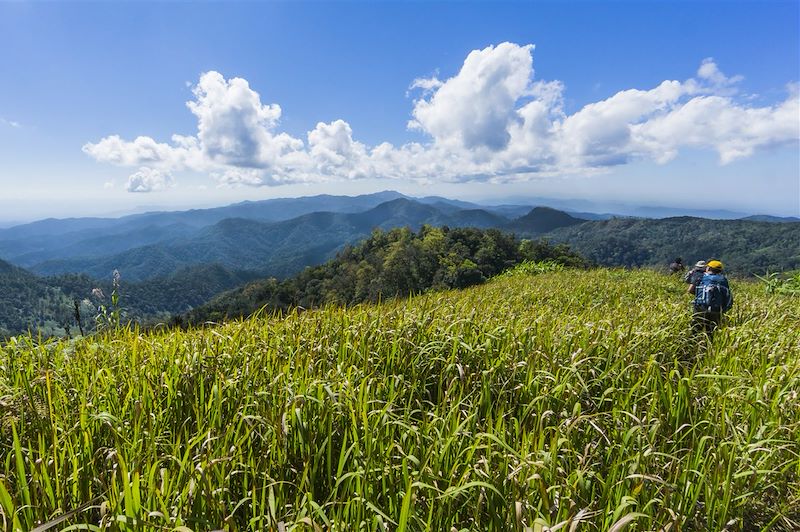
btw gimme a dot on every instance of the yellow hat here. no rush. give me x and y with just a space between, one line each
715 265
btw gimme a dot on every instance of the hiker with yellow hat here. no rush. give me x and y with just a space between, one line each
712 297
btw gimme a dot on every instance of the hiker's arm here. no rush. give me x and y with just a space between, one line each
691 289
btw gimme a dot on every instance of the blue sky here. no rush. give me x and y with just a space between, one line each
652 103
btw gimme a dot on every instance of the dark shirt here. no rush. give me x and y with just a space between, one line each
694 276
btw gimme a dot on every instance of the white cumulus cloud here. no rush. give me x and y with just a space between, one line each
716 122
233 127
334 152
491 120
475 108
149 180
710 72
142 150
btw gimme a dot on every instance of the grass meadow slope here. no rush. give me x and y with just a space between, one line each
569 399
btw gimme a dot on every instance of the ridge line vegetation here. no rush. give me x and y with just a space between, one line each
394 263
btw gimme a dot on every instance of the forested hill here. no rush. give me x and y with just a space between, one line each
746 247
389 264
28 302
46 305
542 220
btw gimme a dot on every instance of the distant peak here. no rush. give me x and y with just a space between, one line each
542 211
543 219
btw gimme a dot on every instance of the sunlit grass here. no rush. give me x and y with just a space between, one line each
561 398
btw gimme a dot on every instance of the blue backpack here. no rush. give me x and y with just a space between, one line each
713 294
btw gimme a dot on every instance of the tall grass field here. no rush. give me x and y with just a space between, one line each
542 400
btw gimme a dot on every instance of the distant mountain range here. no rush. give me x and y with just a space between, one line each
158 243
275 248
774 219
35 242
172 261
593 210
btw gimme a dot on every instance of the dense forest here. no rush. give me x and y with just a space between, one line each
391 263
28 302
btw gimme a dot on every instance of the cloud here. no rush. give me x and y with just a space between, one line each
243 176
142 150
716 122
475 108
490 121
233 127
600 133
426 84
149 180
10 123
334 152
709 72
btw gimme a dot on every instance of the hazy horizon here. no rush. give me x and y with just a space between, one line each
567 204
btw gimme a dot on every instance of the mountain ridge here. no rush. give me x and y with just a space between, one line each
248 244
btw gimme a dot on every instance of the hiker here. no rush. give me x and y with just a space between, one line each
676 266
694 275
712 297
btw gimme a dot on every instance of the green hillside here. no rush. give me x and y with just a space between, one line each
570 399
747 247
